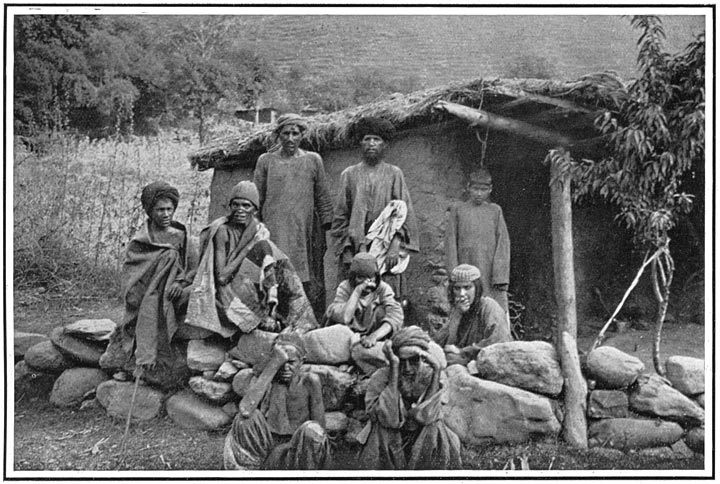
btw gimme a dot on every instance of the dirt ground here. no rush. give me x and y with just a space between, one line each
48 438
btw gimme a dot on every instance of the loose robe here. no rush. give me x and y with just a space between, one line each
291 190
364 192
372 311
477 329
242 303
477 235
407 438
151 319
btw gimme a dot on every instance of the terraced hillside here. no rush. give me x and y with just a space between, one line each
439 49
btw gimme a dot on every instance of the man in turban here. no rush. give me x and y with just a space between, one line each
405 402
295 204
287 431
475 321
364 219
243 280
155 278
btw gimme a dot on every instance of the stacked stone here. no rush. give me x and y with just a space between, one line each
632 410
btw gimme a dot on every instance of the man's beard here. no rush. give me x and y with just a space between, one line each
413 388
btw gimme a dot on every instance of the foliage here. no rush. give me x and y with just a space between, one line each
530 66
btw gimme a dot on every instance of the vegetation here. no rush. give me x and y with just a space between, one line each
656 145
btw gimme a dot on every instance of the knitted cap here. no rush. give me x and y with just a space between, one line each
363 265
247 190
465 273
481 176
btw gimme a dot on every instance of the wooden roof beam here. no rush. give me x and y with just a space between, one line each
551 101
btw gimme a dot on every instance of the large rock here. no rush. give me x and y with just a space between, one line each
328 346
45 356
608 404
226 372
215 391
695 439
29 381
92 329
205 355
629 433
700 399
84 351
686 374
116 397
530 365
613 369
336 384
24 341
191 412
254 347
653 395
241 381
484 411
74 385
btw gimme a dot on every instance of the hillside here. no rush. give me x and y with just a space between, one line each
439 49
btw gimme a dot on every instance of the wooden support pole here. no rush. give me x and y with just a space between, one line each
575 423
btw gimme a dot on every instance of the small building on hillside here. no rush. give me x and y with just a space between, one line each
437 150
257 115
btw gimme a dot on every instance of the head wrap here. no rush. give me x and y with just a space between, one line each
411 336
159 189
247 190
292 339
291 118
481 176
465 273
363 265
377 126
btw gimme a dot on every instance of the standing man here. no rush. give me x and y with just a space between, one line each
364 198
292 186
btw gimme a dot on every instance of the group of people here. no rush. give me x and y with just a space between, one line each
254 271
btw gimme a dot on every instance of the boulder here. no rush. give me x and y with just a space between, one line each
33 382
336 422
226 372
686 374
254 347
205 355
630 433
74 385
367 359
695 439
45 356
328 346
653 395
530 365
241 381
681 450
191 412
24 341
336 385
613 369
700 399
608 404
86 352
92 329
116 397
215 391
484 411
230 408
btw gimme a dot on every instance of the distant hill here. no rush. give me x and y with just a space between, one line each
439 49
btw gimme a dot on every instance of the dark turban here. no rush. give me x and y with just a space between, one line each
411 336
377 126
156 190
291 118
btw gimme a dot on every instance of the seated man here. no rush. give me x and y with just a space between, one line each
475 321
287 431
367 305
154 282
405 402
244 281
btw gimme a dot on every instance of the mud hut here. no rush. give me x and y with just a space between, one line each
516 122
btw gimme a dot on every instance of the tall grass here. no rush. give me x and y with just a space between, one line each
77 204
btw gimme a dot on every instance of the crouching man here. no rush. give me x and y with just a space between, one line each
287 431
405 402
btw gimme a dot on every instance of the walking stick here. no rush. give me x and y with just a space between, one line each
123 441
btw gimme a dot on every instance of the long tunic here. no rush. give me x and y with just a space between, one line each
372 311
364 192
291 190
407 438
477 235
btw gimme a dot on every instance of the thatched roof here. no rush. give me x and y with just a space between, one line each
562 105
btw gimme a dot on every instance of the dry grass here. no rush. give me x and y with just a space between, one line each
76 204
